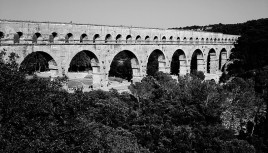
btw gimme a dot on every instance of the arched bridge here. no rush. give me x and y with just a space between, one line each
177 51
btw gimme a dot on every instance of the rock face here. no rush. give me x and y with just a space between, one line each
197 50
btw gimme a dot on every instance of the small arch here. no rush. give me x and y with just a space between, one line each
202 40
178 39
164 39
52 37
68 38
156 39
36 36
108 38
211 61
96 38
171 39
83 38
197 40
197 61
215 39
128 39
184 39
147 39
17 37
138 39
207 39
118 38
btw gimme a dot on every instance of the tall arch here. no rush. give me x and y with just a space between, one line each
197 61
156 62
39 62
125 65
222 58
178 64
211 62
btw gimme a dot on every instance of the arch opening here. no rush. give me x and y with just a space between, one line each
69 38
39 62
118 38
83 61
197 61
178 63
36 38
156 39
128 39
52 37
83 38
96 38
138 39
222 58
163 39
156 62
1 35
108 38
147 39
211 61
125 65
17 37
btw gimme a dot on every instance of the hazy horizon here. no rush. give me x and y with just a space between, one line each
138 13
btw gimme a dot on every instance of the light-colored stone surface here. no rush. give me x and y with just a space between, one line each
106 48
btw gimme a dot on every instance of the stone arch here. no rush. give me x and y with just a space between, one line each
197 61
178 64
125 65
155 39
41 61
69 38
2 34
156 62
222 58
184 39
96 38
108 38
129 39
164 39
147 39
211 61
83 38
138 39
171 39
84 60
178 39
196 40
53 37
36 38
118 38
17 37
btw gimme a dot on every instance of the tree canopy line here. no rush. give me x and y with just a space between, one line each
160 115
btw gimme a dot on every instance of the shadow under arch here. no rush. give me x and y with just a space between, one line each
197 61
39 61
211 61
156 62
83 61
125 65
178 63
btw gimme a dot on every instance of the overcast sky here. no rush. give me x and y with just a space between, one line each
142 13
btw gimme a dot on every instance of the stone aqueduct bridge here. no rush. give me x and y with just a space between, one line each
62 41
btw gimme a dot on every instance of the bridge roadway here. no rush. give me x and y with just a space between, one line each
191 50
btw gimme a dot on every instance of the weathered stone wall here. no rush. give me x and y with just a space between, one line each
105 49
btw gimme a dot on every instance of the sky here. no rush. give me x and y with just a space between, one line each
137 13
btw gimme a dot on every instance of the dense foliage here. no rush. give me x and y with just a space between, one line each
161 115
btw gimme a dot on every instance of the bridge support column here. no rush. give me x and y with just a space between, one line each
223 60
200 64
213 63
98 78
162 66
183 67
